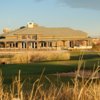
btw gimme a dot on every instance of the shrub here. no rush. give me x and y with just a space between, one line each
37 56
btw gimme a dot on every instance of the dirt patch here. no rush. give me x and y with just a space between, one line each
84 74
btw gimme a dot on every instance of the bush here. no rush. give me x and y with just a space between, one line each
49 56
96 47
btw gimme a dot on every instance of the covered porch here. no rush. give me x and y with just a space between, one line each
45 44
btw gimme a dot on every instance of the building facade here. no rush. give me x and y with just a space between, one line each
34 37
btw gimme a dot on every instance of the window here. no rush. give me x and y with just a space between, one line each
23 37
29 36
34 37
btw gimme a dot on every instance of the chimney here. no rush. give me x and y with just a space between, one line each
6 30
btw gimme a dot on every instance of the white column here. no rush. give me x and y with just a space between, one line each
31 45
34 45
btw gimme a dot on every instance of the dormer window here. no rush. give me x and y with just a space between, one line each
30 25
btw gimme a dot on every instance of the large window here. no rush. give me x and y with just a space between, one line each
34 37
24 37
29 36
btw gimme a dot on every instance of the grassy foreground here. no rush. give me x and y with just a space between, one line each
80 90
29 83
88 61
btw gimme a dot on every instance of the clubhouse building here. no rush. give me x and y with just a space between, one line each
35 37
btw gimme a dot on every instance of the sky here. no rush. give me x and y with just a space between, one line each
76 14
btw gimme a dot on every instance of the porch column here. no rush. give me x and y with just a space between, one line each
20 45
12 45
16 44
47 44
54 44
67 44
23 44
38 45
33 44
27 46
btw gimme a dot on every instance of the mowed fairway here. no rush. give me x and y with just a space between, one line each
88 61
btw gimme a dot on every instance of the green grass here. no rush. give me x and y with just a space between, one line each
89 60
36 68
50 67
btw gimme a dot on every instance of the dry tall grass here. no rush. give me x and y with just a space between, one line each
37 56
80 90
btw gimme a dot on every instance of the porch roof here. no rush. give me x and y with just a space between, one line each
32 40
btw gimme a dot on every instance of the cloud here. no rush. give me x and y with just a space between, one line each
90 4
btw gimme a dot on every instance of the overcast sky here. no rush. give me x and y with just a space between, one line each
77 14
